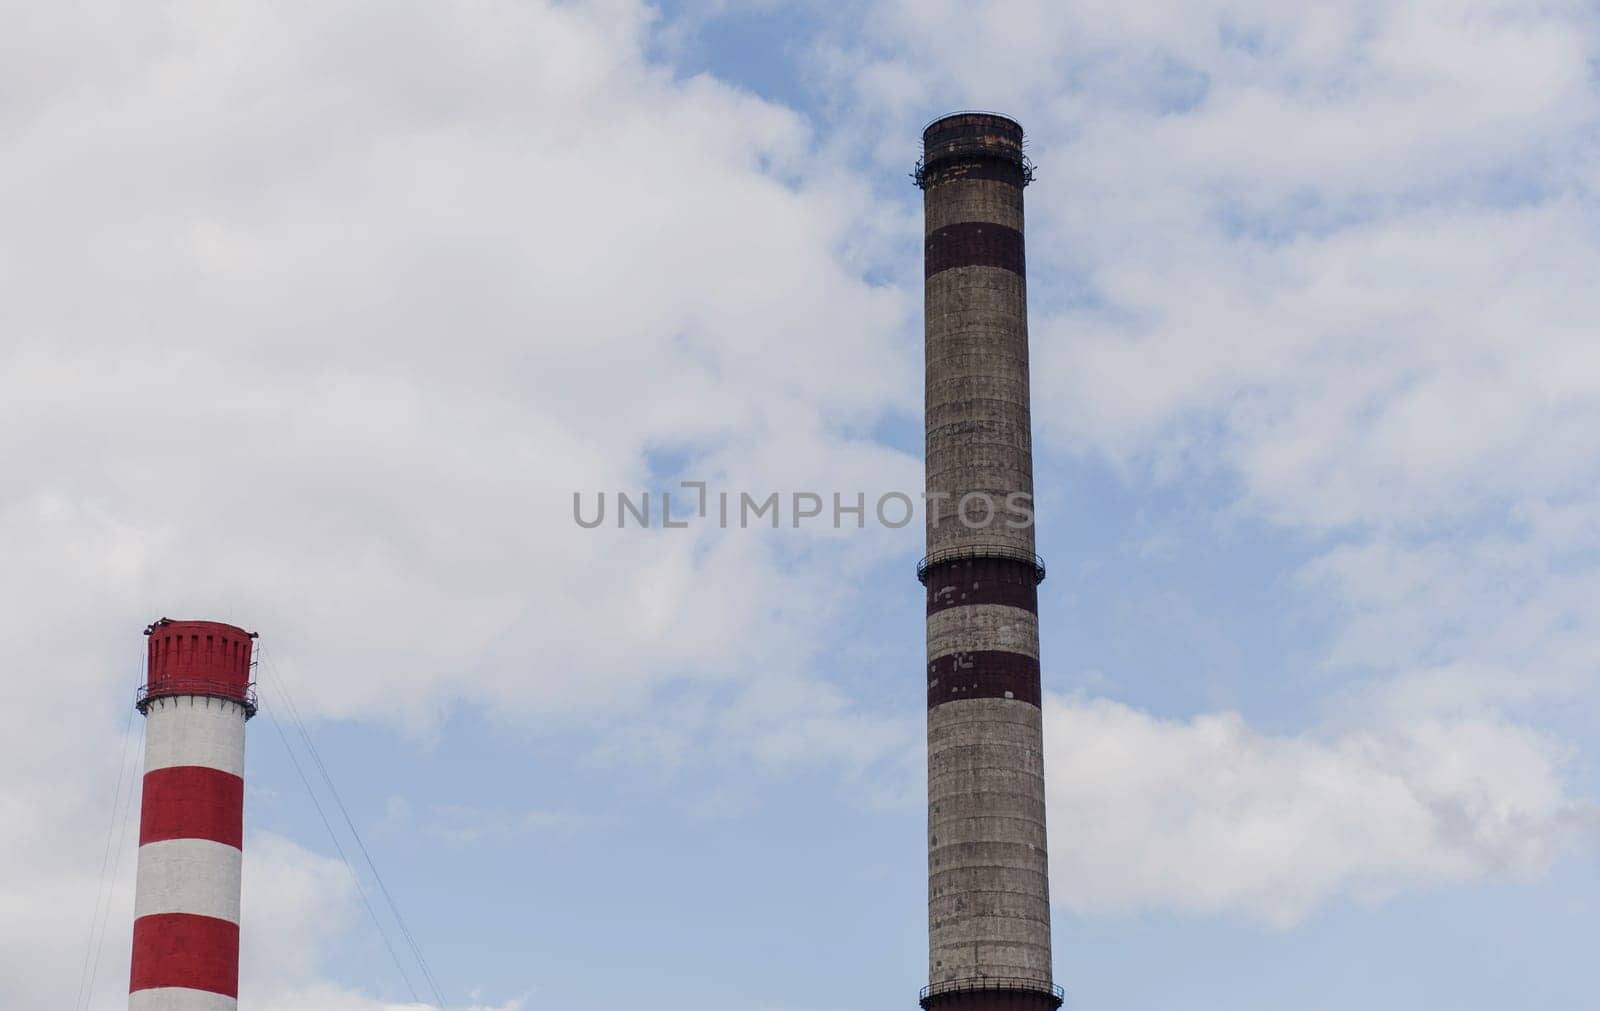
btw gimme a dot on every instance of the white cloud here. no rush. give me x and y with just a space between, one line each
1501 620
302 331
1334 258
317 315
330 331
1209 816
296 903
1348 265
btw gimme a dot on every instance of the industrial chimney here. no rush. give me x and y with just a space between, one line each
196 698
988 885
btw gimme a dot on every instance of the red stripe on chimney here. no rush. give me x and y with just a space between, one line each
184 950
192 802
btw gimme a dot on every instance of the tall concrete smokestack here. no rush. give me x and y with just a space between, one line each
196 699
988 886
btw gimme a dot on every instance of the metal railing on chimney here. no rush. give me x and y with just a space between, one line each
230 692
1050 991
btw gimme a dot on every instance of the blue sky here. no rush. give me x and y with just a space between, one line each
318 315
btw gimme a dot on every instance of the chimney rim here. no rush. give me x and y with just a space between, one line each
197 625
935 121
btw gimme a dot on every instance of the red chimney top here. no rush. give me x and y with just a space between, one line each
199 658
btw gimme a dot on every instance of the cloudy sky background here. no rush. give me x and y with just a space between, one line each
316 315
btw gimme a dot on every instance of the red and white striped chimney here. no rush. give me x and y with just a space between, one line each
196 699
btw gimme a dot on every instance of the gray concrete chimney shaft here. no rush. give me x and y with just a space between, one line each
988 886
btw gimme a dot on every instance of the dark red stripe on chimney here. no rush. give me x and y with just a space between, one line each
983 581
192 802
990 168
181 949
973 244
983 674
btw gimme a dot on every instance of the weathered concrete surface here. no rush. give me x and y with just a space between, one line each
988 890
988 877
982 627
963 200
979 428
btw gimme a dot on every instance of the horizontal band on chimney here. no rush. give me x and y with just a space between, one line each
973 244
983 674
183 950
192 802
1006 581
